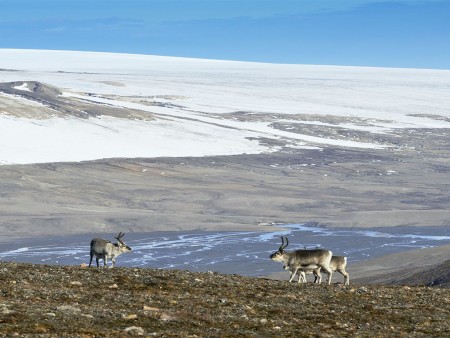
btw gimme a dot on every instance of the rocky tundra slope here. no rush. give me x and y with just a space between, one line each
57 301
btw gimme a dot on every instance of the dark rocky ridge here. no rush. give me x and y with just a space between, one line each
55 104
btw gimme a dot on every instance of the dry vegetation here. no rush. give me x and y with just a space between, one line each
56 301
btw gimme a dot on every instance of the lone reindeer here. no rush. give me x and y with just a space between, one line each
103 249
303 260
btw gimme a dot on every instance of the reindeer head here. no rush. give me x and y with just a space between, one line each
278 255
121 244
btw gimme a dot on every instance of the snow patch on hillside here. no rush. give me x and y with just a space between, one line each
191 98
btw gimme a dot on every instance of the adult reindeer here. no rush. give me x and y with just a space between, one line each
103 249
303 260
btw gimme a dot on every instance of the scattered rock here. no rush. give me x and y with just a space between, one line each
151 308
68 308
135 330
166 317
129 317
88 316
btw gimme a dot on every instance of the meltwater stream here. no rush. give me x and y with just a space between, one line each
236 252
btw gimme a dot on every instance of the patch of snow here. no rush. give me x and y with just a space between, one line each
23 86
261 128
72 139
194 93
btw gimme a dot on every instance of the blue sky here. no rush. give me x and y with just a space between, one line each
381 33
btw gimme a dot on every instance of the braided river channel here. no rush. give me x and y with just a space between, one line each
231 252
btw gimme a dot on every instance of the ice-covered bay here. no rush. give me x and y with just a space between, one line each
244 253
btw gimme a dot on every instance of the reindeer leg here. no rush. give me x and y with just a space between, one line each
317 276
301 277
330 273
346 276
293 273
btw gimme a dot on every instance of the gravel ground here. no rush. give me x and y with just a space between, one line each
60 301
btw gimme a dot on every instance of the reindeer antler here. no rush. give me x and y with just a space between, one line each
287 243
119 236
282 247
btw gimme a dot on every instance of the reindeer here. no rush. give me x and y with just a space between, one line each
303 260
337 263
103 249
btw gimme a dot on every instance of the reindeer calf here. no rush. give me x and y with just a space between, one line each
337 263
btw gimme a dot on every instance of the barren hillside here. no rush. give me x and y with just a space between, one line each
57 301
